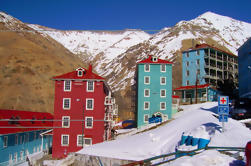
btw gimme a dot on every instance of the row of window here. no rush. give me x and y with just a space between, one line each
89 103
147 80
162 68
147 93
81 140
147 105
197 63
197 72
197 53
66 122
19 139
14 158
89 87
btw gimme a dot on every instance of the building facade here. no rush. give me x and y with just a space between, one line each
83 111
21 135
244 60
208 65
154 89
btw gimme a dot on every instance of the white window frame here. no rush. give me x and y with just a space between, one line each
161 106
187 63
80 73
10 159
87 86
161 93
79 137
161 69
145 67
69 119
148 79
5 141
86 104
187 73
154 59
65 89
198 62
145 92
145 105
161 81
62 142
145 118
88 127
197 52
65 108
187 82
187 54
15 157
21 155
87 139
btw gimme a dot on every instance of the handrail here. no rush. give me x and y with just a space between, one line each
186 153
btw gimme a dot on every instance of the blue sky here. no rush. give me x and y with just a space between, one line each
120 14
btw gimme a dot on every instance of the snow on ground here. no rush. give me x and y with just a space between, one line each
165 138
207 158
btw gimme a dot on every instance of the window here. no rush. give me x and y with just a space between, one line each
5 141
90 86
64 140
66 103
65 121
187 54
89 104
35 135
163 68
162 93
146 118
146 80
162 80
87 141
198 71
154 59
198 52
21 139
80 73
187 82
162 105
88 122
187 63
10 159
187 72
67 85
198 62
147 67
146 105
22 155
27 137
16 139
147 93
80 139
15 157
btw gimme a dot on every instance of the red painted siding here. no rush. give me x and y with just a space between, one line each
78 96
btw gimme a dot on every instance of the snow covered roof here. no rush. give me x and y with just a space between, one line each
151 60
86 75
193 87
13 121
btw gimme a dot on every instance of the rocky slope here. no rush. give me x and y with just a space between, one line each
28 61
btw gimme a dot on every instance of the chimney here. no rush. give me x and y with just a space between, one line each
90 68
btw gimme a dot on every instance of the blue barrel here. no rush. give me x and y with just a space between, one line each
203 143
183 139
195 141
189 140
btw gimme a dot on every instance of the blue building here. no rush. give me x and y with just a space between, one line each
206 65
154 90
244 60
23 133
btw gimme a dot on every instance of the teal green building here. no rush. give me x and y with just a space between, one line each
154 90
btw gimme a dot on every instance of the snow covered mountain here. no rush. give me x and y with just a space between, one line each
108 50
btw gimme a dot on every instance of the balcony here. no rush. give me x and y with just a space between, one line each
108 118
109 100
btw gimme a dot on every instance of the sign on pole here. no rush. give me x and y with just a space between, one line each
223 109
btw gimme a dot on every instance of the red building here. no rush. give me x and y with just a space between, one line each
83 111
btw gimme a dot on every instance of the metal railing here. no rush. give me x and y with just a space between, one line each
165 157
